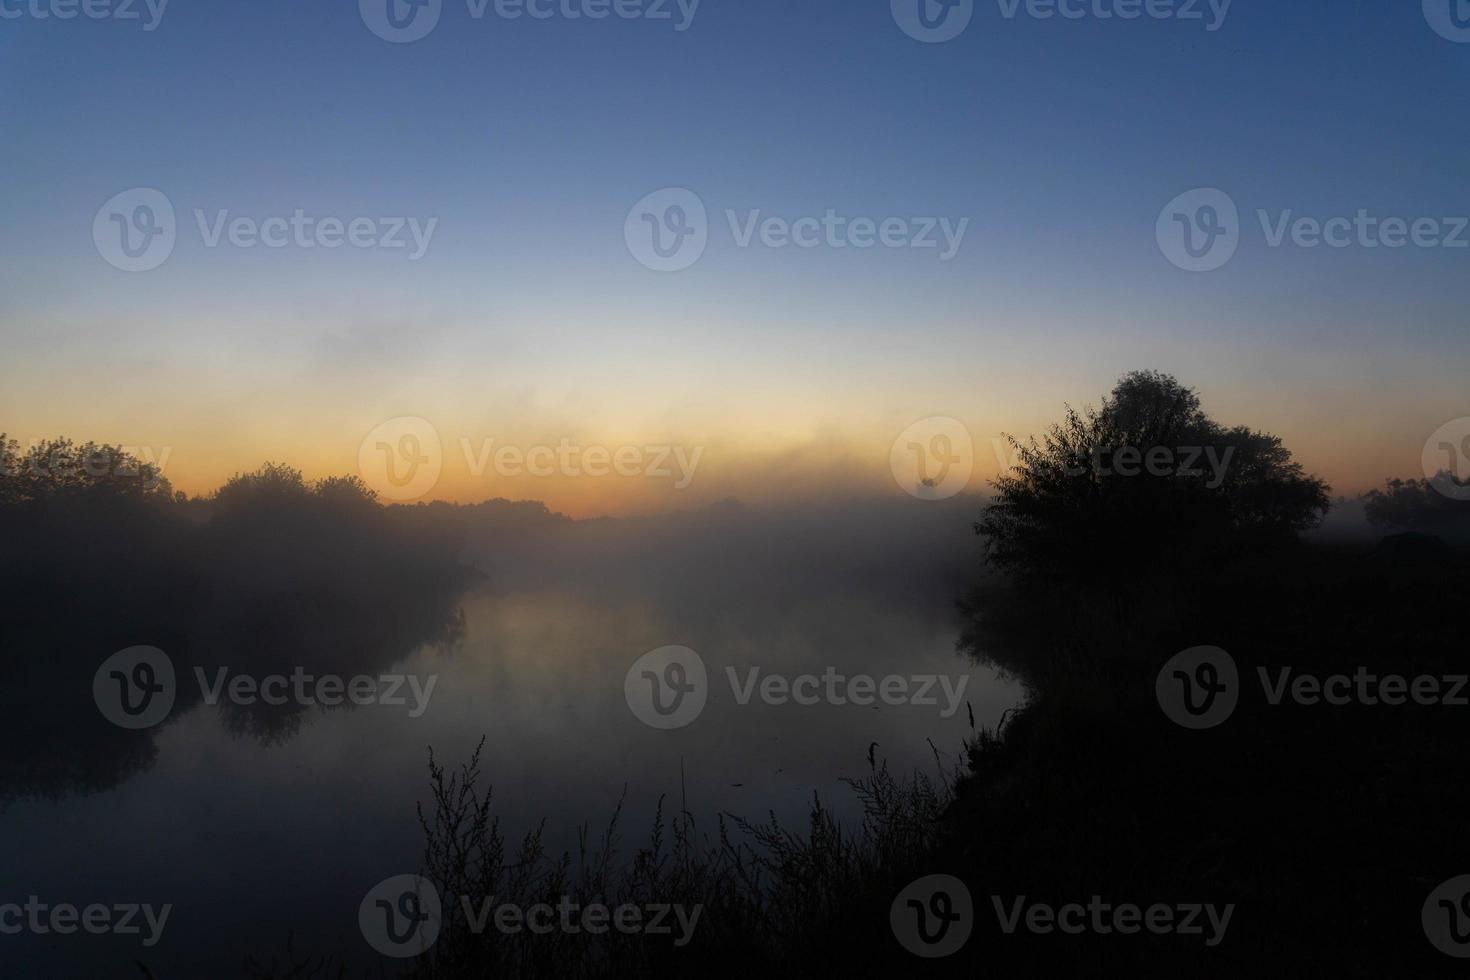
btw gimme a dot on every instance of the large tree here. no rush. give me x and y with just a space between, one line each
1146 487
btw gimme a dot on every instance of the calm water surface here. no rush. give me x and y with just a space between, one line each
252 837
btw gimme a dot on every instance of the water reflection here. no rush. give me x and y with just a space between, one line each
254 838
245 594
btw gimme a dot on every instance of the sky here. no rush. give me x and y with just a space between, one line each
530 153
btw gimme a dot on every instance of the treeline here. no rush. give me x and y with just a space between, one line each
270 572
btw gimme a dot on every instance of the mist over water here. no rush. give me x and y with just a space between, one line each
254 829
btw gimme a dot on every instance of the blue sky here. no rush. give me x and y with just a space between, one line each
530 140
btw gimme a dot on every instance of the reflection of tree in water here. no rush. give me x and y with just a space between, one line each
271 574
341 635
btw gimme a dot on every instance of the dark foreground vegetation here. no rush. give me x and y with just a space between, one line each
1325 825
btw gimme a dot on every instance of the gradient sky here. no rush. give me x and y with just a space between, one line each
528 320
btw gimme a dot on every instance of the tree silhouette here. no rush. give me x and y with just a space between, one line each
1418 505
270 573
1146 487
58 470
